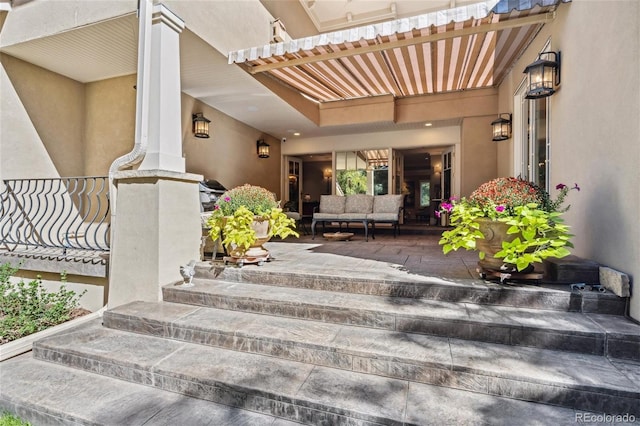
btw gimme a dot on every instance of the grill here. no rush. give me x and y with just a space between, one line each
210 191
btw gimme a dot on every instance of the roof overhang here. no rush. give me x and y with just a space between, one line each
469 47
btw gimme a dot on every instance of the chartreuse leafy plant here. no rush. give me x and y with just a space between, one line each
8 419
236 211
27 307
533 217
539 235
465 230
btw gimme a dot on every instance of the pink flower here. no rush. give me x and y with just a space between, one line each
575 186
227 199
561 186
447 206
437 213
216 207
499 209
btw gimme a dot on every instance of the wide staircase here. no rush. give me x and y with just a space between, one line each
250 346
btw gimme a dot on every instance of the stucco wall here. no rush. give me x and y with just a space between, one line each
42 115
110 124
478 162
595 131
229 155
54 126
438 136
250 19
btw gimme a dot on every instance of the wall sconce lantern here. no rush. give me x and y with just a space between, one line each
263 149
326 174
544 75
501 127
200 125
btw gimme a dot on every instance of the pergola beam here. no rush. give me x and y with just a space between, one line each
481 29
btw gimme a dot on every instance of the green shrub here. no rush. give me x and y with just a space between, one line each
27 307
7 419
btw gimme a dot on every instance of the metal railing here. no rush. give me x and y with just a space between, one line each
65 213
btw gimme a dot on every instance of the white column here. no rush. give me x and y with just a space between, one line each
164 151
157 226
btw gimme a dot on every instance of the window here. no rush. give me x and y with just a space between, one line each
425 196
362 172
531 137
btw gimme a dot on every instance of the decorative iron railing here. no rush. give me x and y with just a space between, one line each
67 213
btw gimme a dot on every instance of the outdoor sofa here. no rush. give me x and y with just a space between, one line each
362 208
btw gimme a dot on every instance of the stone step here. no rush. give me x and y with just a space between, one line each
309 393
568 331
545 296
521 373
76 397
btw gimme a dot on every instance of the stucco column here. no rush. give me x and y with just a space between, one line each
157 230
164 151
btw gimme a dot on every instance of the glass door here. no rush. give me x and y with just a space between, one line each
292 187
447 174
531 145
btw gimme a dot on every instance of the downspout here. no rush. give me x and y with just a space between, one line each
145 11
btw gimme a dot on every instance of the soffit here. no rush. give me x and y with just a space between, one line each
464 48
331 15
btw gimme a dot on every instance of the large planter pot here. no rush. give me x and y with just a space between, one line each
494 234
256 250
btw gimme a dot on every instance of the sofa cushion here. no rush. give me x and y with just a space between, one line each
389 203
383 217
332 204
325 216
353 216
359 203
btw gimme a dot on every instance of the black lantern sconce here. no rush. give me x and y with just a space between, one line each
263 149
544 75
200 125
501 127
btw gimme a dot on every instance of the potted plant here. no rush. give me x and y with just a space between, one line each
512 223
246 217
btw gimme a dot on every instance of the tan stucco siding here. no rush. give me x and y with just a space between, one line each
42 116
110 124
478 162
594 125
229 155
